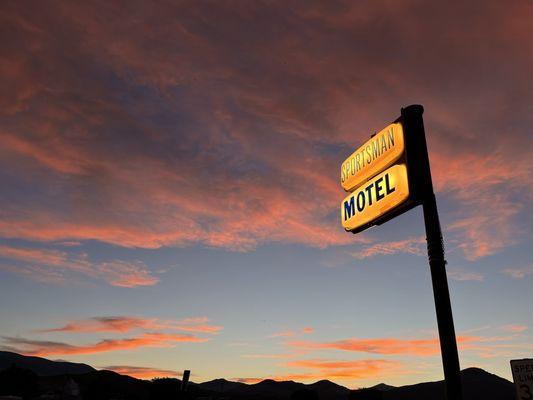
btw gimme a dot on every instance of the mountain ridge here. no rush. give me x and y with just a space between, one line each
477 384
42 366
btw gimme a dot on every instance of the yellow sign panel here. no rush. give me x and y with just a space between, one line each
378 153
375 198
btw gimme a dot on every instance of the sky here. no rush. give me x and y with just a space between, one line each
170 188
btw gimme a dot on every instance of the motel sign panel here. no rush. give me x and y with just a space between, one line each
381 151
375 197
380 180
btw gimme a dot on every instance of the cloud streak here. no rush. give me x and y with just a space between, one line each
50 348
463 275
518 272
409 246
318 369
54 266
383 346
127 323
142 372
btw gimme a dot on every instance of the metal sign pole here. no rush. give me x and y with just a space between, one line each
437 265
412 116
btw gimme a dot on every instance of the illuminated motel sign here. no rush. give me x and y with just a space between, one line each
381 151
386 176
377 176
376 197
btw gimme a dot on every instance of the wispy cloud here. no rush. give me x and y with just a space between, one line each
514 328
291 333
54 266
318 369
265 356
49 348
463 275
410 246
384 346
518 272
142 372
481 346
128 323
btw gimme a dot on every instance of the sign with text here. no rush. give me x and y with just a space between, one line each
375 198
523 378
378 153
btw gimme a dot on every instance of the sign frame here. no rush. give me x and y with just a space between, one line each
523 386
418 178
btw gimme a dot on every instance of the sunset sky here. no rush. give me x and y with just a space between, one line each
170 186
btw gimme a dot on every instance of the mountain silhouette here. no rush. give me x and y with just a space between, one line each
477 385
65 380
42 366
221 385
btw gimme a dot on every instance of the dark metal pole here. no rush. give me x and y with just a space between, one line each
185 380
437 265
421 173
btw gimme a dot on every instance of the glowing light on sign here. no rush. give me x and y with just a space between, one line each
375 198
378 153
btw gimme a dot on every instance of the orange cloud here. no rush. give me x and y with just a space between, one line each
142 372
515 328
268 356
126 324
53 266
486 221
291 333
335 370
386 346
49 348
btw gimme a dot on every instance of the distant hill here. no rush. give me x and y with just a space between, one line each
42 366
383 387
221 385
55 376
328 390
477 385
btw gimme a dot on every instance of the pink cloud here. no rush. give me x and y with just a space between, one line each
385 346
318 369
48 348
279 123
127 323
462 275
291 333
142 372
410 246
518 272
53 266
514 328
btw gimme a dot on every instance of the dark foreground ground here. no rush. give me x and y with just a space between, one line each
37 378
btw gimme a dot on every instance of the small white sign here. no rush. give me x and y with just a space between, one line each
523 378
